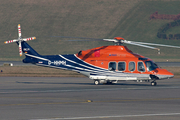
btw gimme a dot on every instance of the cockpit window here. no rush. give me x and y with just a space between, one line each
150 65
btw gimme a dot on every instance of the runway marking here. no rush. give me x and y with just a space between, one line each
91 101
106 117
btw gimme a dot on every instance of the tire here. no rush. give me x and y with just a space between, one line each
96 82
153 83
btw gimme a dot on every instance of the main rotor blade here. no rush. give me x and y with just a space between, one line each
76 37
19 30
156 44
92 39
78 40
133 43
111 40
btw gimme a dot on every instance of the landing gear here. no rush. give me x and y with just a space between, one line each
96 82
154 78
109 82
153 83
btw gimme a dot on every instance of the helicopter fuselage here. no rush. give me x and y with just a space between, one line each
106 64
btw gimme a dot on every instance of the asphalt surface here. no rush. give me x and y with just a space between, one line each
15 63
58 98
20 63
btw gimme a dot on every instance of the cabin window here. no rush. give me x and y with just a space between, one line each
112 66
141 67
121 66
131 66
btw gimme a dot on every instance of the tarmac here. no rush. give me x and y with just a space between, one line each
65 98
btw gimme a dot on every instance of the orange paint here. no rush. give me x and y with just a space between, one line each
107 54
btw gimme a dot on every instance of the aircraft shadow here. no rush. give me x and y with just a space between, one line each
117 84
53 83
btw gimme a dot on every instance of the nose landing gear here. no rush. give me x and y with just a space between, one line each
154 78
153 83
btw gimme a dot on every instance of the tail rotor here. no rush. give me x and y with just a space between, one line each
20 40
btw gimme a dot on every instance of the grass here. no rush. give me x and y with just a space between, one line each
137 26
91 19
58 18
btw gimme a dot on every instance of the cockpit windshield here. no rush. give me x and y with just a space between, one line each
150 65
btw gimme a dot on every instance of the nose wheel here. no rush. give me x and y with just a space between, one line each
153 83
154 78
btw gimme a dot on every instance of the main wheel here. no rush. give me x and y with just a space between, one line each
96 82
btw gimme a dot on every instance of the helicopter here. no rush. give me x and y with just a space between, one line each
104 65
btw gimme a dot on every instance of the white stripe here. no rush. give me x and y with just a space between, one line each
66 65
79 68
51 66
76 63
57 67
84 62
118 116
65 68
89 63
36 57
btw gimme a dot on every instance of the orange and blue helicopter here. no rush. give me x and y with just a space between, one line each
106 64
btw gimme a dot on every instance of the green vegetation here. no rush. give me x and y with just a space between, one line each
92 19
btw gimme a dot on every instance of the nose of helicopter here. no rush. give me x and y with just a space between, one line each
163 73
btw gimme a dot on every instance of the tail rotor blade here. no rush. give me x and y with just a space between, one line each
19 30
20 40
10 41
28 39
20 48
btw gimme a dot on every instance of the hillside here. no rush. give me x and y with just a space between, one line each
82 18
